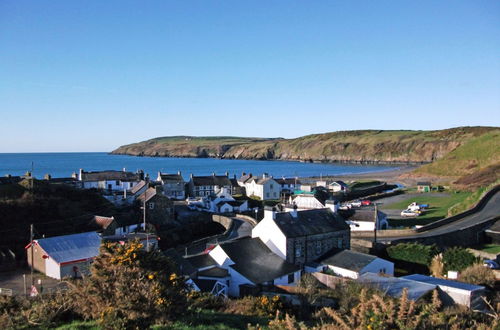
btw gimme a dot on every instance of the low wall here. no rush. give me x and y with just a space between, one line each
383 233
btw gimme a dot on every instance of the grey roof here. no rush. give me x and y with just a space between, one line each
310 222
69 248
349 259
211 180
171 177
110 176
214 272
366 214
393 286
201 261
255 261
288 181
443 282
138 187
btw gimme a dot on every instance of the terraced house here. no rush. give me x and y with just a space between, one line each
201 186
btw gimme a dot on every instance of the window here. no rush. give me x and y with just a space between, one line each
151 206
291 278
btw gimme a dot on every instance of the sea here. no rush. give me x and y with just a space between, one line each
60 165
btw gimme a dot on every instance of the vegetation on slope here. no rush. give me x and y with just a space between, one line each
344 146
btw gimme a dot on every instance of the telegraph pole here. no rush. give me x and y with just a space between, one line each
32 255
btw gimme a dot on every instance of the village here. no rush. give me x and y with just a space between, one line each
273 232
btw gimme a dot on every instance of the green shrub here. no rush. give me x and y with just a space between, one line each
458 259
413 252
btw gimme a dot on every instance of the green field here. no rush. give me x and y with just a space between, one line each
439 205
490 248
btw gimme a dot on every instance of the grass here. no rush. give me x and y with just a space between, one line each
439 206
490 248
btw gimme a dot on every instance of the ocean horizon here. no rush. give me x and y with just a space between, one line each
63 164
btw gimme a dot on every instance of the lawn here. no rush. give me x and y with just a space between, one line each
439 205
490 248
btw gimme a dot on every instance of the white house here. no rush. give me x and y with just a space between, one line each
264 187
301 237
110 180
174 186
366 219
242 263
351 264
64 256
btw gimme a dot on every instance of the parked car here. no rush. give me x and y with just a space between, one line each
409 213
491 264
356 204
366 202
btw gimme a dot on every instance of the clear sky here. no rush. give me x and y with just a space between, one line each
93 75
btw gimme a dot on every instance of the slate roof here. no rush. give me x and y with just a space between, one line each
442 282
364 214
110 176
10 179
255 261
349 259
214 272
288 181
138 187
201 261
69 248
393 286
171 177
211 180
310 222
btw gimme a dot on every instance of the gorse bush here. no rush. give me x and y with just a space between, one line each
458 259
413 252
130 288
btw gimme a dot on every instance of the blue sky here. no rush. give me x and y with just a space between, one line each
93 75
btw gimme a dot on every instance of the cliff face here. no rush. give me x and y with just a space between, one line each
368 146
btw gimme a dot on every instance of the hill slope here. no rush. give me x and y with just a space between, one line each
364 146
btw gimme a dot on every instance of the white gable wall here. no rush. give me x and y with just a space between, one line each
271 235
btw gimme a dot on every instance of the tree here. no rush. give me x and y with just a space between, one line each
457 259
130 288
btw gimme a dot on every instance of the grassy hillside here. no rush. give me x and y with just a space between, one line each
474 163
363 146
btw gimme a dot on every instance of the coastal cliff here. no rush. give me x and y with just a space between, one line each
362 146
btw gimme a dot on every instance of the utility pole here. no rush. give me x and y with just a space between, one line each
32 255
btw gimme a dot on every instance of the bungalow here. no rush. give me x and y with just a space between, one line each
64 256
424 186
365 219
264 187
251 266
201 186
174 186
301 237
453 292
351 264
110 180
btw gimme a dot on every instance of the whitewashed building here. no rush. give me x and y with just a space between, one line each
351 264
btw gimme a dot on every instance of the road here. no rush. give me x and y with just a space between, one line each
489 211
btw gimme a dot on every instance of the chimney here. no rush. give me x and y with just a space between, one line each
270 213
332 205
294 212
